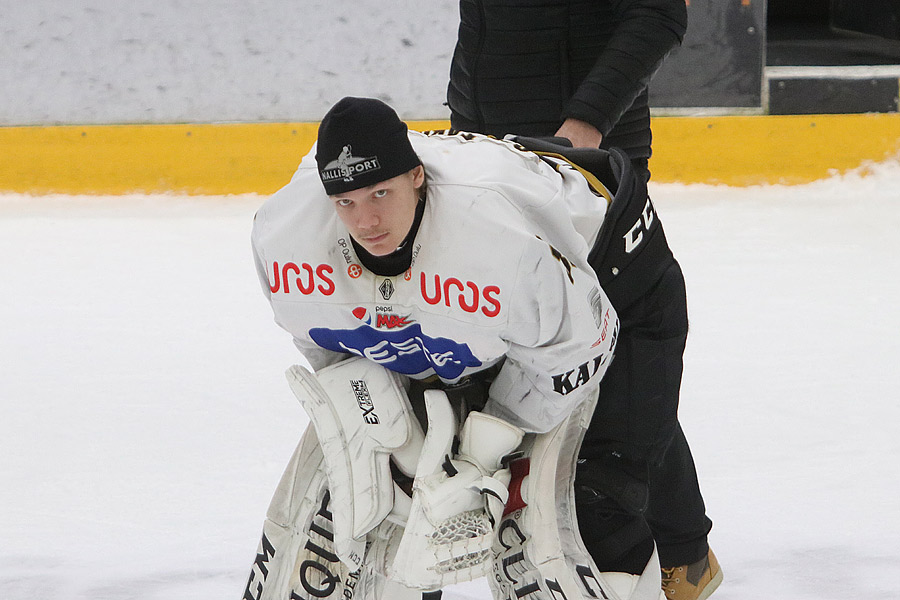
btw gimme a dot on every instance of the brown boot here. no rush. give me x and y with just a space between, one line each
696 581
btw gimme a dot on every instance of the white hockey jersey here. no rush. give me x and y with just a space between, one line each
499 270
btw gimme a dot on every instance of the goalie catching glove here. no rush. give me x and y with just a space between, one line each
456 501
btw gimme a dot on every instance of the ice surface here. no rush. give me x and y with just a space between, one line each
146 419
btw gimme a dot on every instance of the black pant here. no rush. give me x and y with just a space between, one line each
635 431
636 481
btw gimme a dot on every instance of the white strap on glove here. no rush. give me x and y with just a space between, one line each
456 502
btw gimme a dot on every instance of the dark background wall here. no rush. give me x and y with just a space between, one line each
721 60
730 43
876 17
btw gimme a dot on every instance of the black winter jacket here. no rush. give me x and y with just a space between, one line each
524 66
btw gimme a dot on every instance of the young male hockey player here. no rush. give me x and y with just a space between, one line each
448 271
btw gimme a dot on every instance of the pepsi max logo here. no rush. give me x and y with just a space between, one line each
391 321
384 319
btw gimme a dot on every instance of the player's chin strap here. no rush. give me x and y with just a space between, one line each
362 418
456 501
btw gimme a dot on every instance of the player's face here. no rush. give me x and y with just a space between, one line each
379 216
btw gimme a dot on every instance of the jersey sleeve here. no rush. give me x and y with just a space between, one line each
316 356
562 331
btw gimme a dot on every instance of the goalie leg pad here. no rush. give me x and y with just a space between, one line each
296 557
538 551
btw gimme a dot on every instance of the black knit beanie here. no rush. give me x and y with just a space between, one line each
361 142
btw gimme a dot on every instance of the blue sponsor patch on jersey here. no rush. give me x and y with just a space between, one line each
407 351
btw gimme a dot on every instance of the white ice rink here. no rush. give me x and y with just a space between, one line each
146 420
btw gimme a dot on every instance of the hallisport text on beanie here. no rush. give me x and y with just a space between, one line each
362 142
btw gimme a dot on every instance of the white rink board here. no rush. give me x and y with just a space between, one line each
175 61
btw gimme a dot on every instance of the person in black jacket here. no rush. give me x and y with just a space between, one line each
579 69
574 68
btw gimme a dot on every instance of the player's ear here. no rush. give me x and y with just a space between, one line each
418 176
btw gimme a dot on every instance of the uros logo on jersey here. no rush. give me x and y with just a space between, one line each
468 296
308 279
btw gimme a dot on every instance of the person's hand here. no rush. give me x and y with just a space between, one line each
580 133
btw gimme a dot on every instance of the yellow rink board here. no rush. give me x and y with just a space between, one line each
215 159
751 150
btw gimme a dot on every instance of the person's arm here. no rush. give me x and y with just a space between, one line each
647 31
562 333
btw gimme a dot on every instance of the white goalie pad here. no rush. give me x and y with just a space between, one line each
538 552
362 418
456 502
296 557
